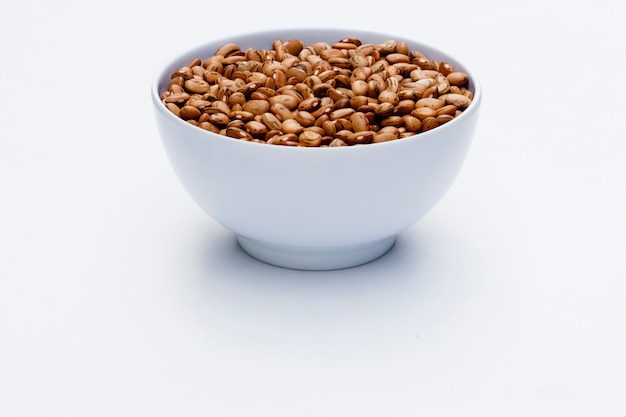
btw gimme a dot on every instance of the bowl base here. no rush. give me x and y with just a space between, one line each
315 259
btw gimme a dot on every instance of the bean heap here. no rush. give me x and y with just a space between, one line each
341 94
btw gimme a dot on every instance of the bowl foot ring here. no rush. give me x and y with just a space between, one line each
315 259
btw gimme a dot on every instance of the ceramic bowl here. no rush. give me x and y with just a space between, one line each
314 208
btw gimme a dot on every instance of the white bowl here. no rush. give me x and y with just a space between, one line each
315 208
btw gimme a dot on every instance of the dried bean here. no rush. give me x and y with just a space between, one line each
384 137
189 112
309 104
429 123
197 85
337 142
412 123
173 108
237 133
459 100
447 109
310 138
424 112
443 118
457 78
281 111
220 119
244 116
359 122
256 129
291 126
339 94
433 103
256 106
304 118
341 113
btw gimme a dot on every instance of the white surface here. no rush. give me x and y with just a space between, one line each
118 296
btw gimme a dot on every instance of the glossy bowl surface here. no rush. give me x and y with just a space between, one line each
314 208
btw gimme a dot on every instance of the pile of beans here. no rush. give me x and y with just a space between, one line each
341 94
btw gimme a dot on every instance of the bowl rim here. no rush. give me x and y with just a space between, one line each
165 68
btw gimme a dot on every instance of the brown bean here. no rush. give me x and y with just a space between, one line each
244 116
384 137
392 121
324 109
177 98
221 107
281 111
291 126
321 90
176 80
189 112
310 138
443 85
288 139
198 86
447 109
304 118
431 92
384 109
340 62
344 45
389 129
309 104
412 123
227 49
358 101
173 108
327 54
337 142
359 122
443 118
330 127
341 113
289 90
294 46
429 123
388 96
184 72
237 133
286 100
220 119
395 58
240 124
404 107
457 78
343 134
366 136
424 112
256 106
256 129
433 103
209 126
322 94
176 89
338 94
445 68
343 124
359 87
459 100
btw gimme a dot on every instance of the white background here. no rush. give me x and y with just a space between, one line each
119 297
